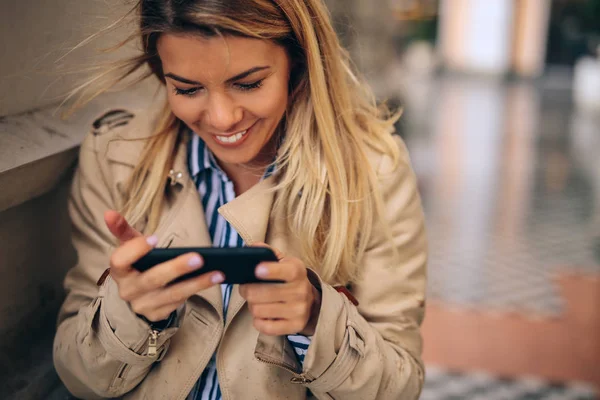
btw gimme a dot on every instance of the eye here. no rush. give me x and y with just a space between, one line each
186 92
249 86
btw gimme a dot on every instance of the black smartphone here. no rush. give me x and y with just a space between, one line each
236 263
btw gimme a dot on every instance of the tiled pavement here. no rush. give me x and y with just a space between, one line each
445 385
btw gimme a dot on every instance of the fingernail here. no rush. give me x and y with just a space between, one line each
262 271
195 262
152 240
217 278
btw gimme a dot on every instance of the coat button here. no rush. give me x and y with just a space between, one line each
175 177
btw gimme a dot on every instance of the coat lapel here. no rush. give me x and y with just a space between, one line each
249 214
186 222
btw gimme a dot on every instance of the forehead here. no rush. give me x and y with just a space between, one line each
217 57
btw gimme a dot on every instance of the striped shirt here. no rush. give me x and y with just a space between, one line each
216 189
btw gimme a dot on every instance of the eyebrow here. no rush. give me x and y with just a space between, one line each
235 78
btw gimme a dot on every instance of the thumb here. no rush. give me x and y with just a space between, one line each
119 227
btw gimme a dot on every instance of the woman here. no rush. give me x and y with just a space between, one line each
266 136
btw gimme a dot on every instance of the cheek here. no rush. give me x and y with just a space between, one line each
183 108
270 102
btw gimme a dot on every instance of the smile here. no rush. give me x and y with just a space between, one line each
232 138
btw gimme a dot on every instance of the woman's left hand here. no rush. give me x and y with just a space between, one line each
285 308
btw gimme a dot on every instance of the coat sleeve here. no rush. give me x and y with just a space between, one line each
100 344
373 351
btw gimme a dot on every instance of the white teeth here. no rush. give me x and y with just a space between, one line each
232 138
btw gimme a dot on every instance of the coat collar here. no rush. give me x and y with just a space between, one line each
183 222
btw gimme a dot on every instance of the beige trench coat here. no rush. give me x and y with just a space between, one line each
369 351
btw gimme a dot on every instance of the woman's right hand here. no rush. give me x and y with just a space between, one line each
147 292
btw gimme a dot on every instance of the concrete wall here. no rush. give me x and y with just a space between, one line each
36 34
35 250
36 254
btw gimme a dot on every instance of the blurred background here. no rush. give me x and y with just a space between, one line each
501 103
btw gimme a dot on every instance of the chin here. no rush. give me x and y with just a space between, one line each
234 157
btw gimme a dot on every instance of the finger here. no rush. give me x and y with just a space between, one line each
128 253
180 292
287 270
261 293
280 311
277 252
278 327
119 227
162 274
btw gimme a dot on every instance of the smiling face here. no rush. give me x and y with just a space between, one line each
231 91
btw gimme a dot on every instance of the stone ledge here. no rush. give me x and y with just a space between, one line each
37 147
35 150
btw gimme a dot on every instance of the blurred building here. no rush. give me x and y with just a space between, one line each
494 36
366 29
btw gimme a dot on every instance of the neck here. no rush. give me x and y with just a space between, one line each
244 176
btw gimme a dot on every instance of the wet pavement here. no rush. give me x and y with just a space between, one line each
509 173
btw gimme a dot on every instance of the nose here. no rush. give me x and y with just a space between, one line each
222 113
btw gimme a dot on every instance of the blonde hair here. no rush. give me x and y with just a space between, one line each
331 122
